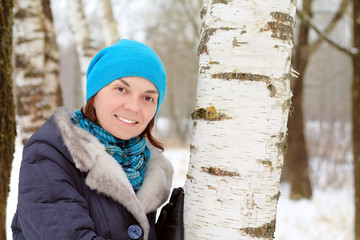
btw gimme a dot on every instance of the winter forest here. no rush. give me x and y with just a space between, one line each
298 165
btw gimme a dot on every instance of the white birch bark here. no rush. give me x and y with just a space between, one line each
36 64
243 101
108 22
84 44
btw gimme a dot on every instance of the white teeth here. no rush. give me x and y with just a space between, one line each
125 120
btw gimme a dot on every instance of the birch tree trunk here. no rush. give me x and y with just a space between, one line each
84 44
7 109
243 101
108 22
36 65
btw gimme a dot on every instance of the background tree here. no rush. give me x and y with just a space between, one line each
36 75
111 33
7 109
242 106
178 51
356 112
85 46
354 53
296 159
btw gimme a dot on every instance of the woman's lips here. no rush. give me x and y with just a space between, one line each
125 120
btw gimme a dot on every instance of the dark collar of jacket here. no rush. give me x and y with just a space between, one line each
105 175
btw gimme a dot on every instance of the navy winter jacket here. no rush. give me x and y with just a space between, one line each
70 188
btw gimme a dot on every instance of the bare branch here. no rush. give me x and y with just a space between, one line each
336 17
191 18
306 19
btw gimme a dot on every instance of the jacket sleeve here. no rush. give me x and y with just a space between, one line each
50 205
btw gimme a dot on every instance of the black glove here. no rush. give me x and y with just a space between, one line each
170 224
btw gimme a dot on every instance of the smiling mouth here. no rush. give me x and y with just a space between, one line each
125 120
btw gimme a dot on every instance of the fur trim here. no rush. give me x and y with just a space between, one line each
106 176
157 183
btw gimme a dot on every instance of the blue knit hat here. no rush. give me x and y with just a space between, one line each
125 58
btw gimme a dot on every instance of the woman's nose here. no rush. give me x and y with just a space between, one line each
132 105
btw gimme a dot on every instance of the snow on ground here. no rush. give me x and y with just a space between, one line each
329 215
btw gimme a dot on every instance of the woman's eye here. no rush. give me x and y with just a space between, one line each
120 89
149 99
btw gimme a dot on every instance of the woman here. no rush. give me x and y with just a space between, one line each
92 174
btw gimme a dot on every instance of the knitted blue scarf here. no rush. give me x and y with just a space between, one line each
133 154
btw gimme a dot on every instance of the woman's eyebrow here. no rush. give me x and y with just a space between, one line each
152 92
124 82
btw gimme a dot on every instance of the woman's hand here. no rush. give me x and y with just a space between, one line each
170 225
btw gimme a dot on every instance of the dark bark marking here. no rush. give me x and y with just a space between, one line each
265 231
282 27
219 172
241 76
209 113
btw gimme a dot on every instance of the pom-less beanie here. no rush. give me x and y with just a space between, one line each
126 58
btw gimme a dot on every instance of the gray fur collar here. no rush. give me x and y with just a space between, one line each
106 176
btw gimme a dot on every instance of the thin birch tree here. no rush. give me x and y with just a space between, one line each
85 45
36 72
108 23
240 118
7 109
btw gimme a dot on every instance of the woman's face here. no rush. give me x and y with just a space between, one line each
126 106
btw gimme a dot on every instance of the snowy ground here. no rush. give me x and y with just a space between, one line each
329 215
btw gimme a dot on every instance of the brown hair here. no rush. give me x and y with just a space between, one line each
90 113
